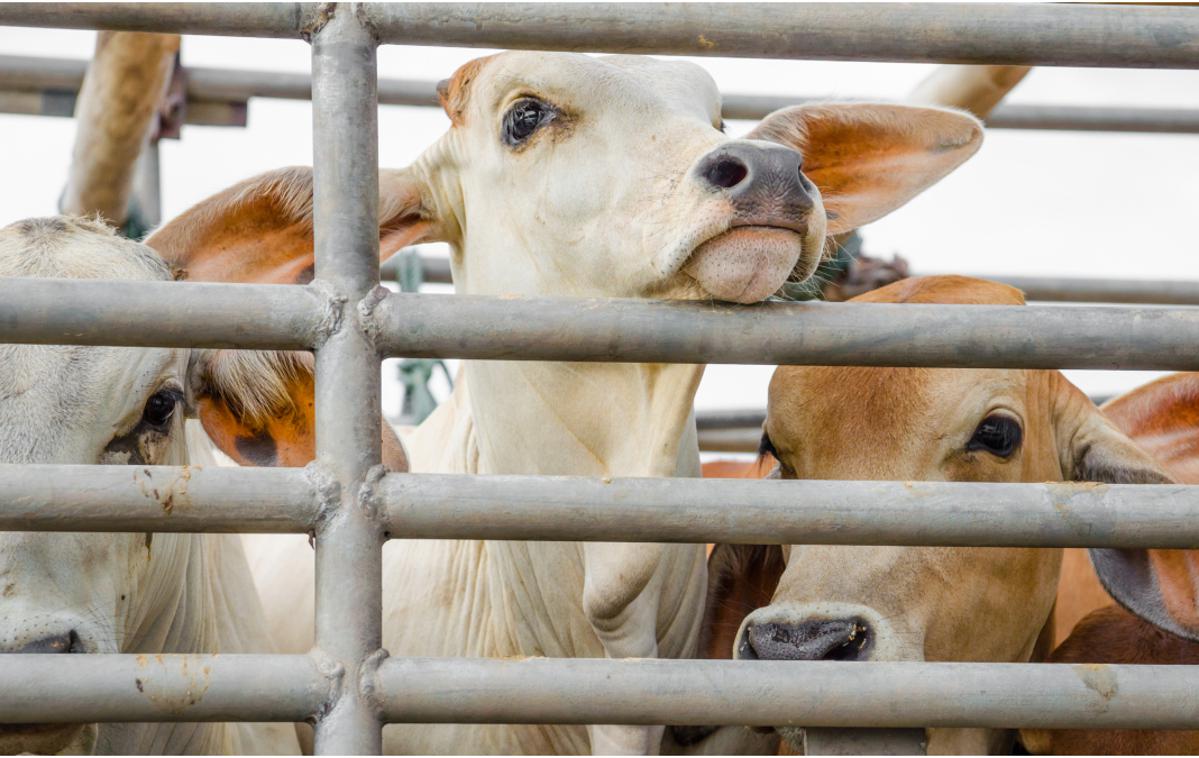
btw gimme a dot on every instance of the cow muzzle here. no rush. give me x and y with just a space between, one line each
777 224
42 738
814 640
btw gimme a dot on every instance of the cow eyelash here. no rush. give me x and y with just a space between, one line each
766 447
524 118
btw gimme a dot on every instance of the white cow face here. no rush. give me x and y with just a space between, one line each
612 176
69 593
109 593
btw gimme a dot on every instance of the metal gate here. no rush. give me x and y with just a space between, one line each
349 687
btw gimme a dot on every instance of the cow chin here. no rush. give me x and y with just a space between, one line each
748 264
44 739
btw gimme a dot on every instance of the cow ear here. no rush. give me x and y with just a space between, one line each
867 159
1160 586
741 579
257 407
260 230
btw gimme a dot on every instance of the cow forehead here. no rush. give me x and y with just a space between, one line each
574 79
63 247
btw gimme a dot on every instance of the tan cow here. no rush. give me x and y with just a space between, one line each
575 175
914 603
1158 586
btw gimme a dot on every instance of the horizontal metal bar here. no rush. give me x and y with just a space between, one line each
225 19
436 270
729 419
448 506
788 693
744 440
811 333
156 498
88 688
1093 290
208 88
62 105
1026 34
161 314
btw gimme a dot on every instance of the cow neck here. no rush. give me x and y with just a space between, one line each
197 598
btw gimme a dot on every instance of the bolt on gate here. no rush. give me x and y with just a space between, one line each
349 687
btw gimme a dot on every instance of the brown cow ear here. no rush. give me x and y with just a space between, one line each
257 408
741 579
867 159
260 230
1160 586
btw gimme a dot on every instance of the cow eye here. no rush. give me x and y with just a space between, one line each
997 434
525 117
160 408
766 446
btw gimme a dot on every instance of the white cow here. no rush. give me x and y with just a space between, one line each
574 175
129 593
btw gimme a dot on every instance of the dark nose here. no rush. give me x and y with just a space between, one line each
63 643
835 640
763 173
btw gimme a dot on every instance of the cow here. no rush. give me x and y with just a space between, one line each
1155 620
151 593
835 602
566 174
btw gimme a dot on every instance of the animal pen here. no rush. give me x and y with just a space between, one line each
349 688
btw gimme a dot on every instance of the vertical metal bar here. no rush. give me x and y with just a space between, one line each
147 185
349 542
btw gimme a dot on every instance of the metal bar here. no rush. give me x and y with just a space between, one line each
745 440
155 499
147 184
1037 288
788 693
1027 34
211 87
812 333
225 19
452 506
1082 289
348 443
160 314
88 688
729 419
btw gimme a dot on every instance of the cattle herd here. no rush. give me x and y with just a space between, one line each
569 175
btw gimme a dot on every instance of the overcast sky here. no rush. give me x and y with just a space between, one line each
1030 203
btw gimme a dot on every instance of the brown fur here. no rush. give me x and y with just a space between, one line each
1163 419
1113 635
454 93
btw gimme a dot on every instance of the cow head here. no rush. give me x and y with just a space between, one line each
108 593
612 176
832 602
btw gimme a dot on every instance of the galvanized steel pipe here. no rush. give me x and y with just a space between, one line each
155 499
1027 34
788 693
161 314
450 506
811 333
39 84
58 688
349 614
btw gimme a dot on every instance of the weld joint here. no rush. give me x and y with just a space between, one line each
332 313
326 491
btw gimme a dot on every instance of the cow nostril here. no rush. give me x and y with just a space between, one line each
836 640
62 643
726 172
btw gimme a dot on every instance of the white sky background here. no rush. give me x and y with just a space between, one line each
1030 203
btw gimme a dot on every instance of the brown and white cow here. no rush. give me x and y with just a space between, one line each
1157 620
913 603
575 175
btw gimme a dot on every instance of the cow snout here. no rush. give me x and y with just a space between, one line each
814 640
764 183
